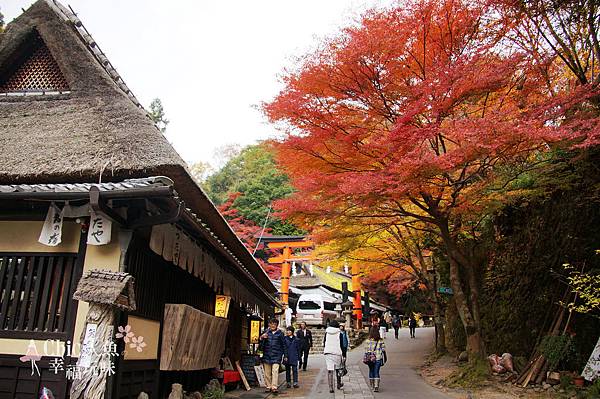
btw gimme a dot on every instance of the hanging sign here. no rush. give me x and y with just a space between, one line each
51 234
87 349
592 368
445 290
222 306
100 229
254 331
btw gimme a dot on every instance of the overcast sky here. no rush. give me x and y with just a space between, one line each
210 62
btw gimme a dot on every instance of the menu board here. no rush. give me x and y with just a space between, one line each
248 362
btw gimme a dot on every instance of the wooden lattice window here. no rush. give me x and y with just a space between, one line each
35 71
36 291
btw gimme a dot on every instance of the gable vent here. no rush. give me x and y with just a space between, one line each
37 72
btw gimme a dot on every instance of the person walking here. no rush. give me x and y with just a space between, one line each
374 357
412 325
306 342
345 345
274 350
333 354
292 345
396 322
388 317
289 313
383 326
374 318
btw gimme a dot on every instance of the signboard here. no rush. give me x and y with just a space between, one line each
260 376
100 229
254 331
51 234
592 368
248 363
89 340
222 306
445 290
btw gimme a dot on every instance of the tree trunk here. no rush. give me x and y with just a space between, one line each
439 325
472 328
468 310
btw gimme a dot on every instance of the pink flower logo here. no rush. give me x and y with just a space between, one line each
137 343
32 356
125 333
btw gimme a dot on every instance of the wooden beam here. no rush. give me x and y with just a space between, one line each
290 244
281 259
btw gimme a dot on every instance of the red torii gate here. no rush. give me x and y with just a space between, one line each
287 244
285 258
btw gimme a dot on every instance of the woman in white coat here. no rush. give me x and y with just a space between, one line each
332 350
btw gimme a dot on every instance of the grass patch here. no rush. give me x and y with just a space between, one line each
472 375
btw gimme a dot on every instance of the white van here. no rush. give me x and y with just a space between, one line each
314 309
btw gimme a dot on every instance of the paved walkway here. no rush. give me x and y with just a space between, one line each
399 378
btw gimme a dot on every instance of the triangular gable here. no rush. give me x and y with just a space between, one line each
33 69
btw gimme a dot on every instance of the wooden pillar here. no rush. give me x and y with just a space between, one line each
94 385
356 290
285 276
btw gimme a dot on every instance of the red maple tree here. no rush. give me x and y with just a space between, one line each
418 116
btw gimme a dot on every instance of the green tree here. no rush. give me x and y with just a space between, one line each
254 174
157 114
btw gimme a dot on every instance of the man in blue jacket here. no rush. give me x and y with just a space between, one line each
274 350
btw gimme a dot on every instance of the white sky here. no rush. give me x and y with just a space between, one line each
210 62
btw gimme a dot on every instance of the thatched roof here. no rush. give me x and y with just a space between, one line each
95 127
108 288
96 130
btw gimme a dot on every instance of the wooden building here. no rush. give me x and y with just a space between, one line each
90 187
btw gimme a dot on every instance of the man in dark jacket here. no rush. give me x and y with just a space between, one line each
412 325
396 323
306 342
274 350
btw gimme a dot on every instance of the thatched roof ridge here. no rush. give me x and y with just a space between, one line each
95 132
108 288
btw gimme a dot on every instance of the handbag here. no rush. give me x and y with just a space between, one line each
370 356
344 370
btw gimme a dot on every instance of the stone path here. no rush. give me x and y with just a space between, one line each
399 378
355 386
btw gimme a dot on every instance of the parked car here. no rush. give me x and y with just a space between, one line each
314 309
